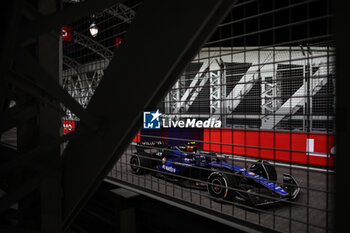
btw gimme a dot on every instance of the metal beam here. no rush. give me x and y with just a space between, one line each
88 67
217 90
122 119
12 13
30 88
70 62
297 100
245 84
119 11
28 65
17 114
21 160
229 103
174 98
83 88
91 44
183 103
66 16
122 12
249 116
7 153
21 191
270 91
83 85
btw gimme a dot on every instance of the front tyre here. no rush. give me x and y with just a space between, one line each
219 186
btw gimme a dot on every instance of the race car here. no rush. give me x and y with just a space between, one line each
224 180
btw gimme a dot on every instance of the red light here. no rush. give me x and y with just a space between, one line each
118 41
66 33
68 126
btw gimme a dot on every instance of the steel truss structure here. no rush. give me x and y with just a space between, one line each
59 187
264 67
81 81
76 80
122 12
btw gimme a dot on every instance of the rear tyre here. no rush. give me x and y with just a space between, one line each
138 165
219 185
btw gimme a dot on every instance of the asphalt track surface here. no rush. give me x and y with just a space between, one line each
313 211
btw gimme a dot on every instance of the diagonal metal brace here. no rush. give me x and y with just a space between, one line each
27 64
160 55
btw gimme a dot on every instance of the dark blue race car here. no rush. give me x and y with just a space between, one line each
185 165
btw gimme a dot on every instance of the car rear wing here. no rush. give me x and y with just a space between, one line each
141 146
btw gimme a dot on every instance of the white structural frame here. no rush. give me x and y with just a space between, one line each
263 67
